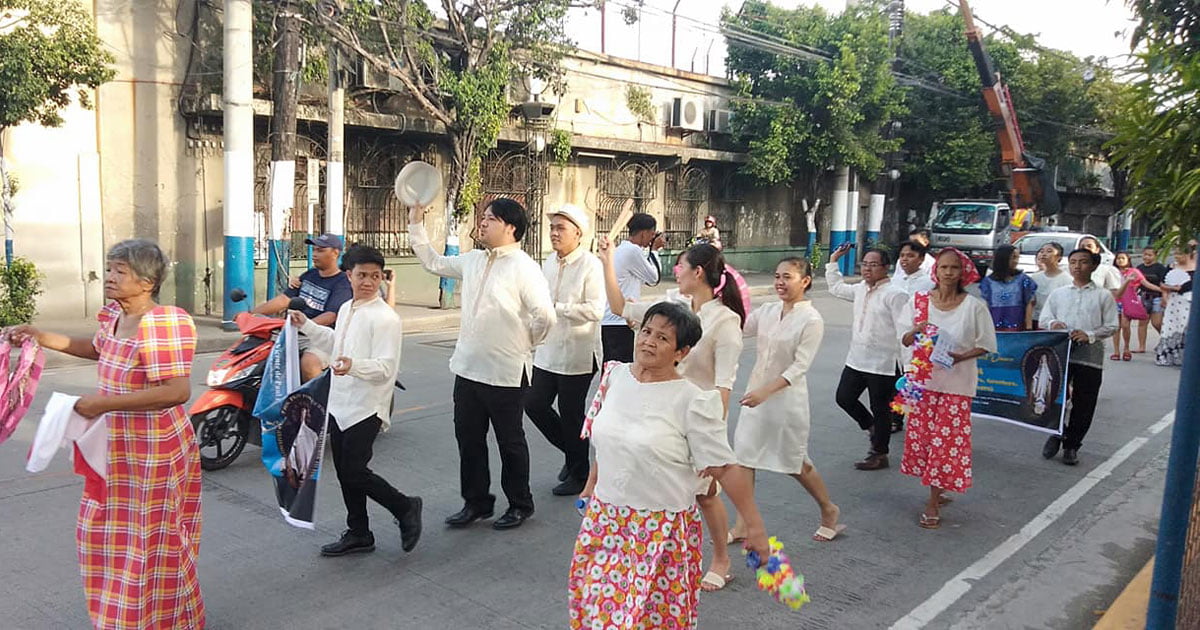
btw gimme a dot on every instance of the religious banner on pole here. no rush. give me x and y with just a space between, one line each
291 450
1025 382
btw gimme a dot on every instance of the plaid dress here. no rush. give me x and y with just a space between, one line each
139 538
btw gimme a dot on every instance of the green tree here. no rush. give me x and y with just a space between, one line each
49 53
802 112
1158 136
457 71
949 144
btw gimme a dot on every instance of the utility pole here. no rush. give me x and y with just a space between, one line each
335 171
237 95
285 91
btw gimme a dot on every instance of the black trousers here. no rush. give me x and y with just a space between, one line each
562 427
352 451
1085 391
617 343
475 406
881 389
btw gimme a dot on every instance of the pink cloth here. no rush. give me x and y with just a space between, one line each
19 386
1130 302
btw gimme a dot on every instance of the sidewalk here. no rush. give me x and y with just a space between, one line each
418 318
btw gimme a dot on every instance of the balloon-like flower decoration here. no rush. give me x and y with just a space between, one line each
777 577
911 386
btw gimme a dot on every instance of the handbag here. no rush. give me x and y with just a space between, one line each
597 400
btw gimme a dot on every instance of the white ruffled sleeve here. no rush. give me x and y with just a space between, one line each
706 433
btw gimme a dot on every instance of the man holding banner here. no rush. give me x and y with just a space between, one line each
1090 314
366 356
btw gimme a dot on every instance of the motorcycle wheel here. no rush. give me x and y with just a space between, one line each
221 435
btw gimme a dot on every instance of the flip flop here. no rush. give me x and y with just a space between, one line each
731 539
826 534
1114 357
1127 357
930 522
715 580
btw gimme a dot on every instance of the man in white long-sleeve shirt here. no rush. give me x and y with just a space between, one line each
564 364
635 266
365 350
911 274
506 311
1089 312
873 359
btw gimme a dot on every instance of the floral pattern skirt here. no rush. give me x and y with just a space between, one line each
635 569
937 441
1174 326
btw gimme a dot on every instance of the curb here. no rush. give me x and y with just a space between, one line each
1129 609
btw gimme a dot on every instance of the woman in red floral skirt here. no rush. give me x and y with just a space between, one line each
937 442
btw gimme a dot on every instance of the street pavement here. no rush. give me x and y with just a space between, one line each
1035 544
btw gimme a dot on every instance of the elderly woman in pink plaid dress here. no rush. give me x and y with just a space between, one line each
138 532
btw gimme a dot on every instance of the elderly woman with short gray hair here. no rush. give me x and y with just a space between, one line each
138 531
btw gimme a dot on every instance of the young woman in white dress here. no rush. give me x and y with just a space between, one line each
772 431
712 294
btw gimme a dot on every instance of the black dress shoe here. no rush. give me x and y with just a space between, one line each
512 518
466 516
564 473
876 461
349 543
1071 456
410 525
1053 443
568 488
897 426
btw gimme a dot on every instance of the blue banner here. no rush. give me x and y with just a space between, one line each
292 448
1025 381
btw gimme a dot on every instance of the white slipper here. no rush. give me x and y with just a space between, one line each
826 534
716 580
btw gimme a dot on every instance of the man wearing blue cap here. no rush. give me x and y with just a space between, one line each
324 289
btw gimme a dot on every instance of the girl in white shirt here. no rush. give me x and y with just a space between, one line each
636 561
937 441
711 364
772 431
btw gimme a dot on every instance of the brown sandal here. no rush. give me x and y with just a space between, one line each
930 522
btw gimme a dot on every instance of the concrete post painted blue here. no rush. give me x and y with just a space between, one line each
812 242
446 285
1180 482
308 254
277 262
239 274
8 251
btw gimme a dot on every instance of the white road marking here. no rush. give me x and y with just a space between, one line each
959 585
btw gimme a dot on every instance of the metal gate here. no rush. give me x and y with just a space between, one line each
687 192
297 219
374 216
517 176
619 182
728 195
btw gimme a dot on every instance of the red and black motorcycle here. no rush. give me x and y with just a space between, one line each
223 416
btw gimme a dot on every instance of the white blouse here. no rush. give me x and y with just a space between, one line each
652 439
774 435
713 361
970 325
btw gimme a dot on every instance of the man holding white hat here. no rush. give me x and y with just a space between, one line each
564 364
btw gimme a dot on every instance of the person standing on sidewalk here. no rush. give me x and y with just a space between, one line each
872 362
1090 313
366 357
506 312
564 364
635 264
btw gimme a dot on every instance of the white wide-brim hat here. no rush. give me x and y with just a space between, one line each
418 183
574 214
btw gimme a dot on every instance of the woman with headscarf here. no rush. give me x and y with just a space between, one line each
708 289
138 531
636 562
937 442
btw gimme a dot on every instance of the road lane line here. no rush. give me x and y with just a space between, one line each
959 585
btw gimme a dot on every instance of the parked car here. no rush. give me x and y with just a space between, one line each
1029 245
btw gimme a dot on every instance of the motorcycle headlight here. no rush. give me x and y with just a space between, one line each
226 376
216 377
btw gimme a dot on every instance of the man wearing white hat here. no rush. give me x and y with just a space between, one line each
564 364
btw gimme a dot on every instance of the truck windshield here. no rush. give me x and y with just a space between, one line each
965 218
